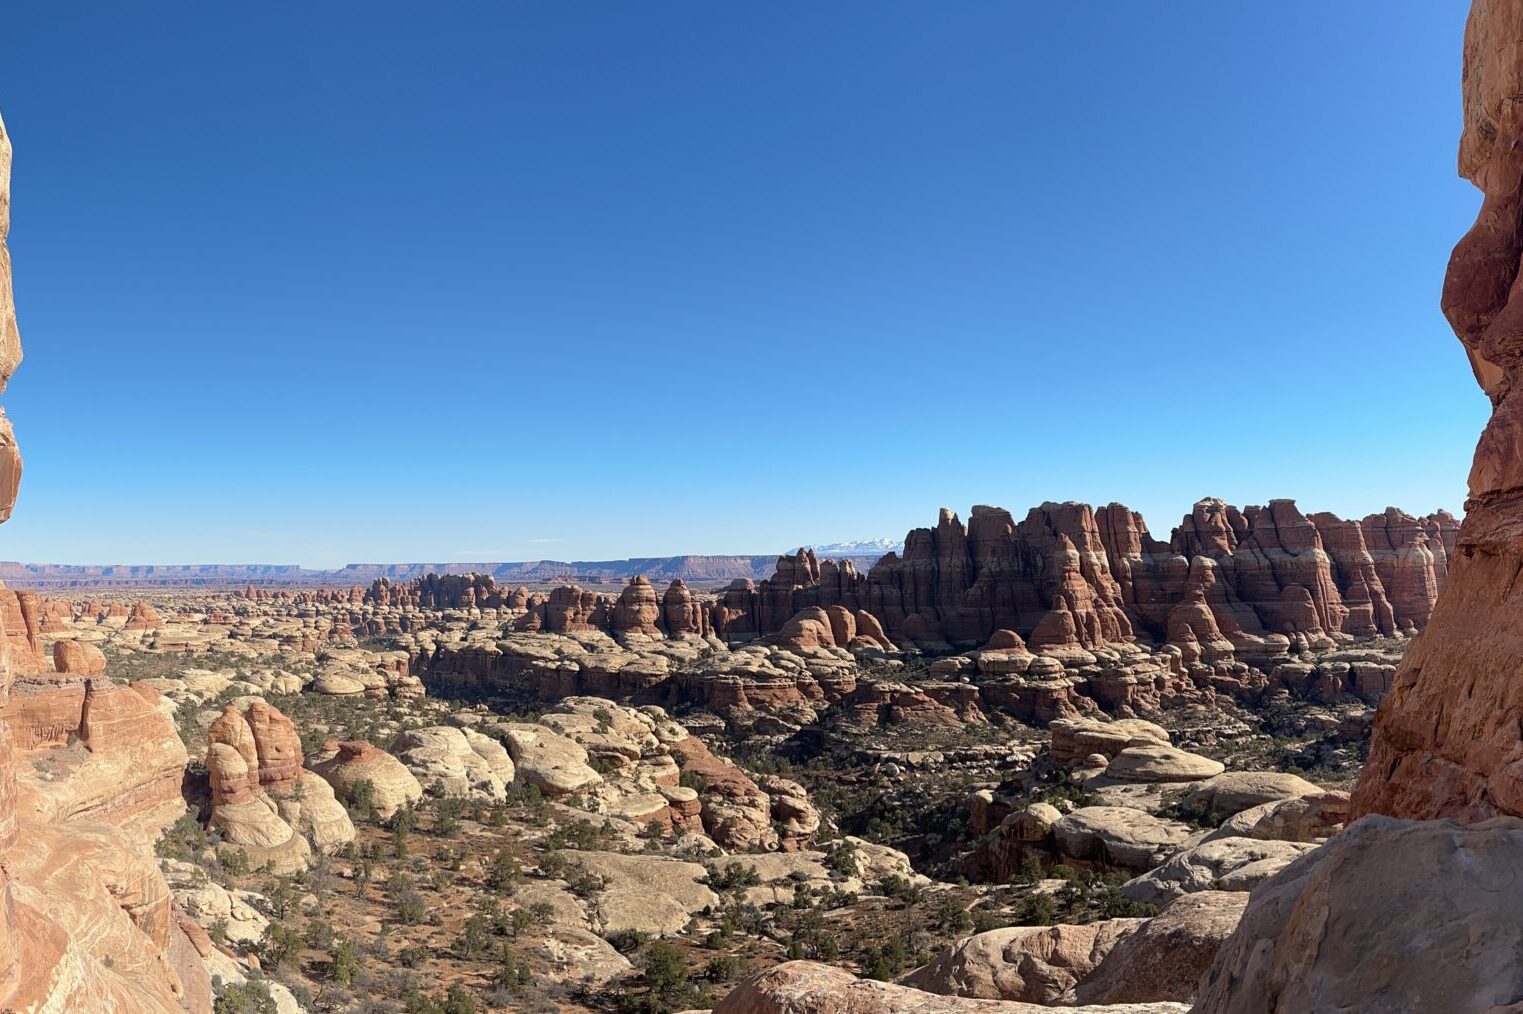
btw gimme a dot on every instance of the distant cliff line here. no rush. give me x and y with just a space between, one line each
691 568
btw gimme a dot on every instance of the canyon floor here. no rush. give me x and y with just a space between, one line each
408 808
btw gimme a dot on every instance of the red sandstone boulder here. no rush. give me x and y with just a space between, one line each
143 617
78 658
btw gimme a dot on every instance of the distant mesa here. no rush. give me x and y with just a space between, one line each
708 569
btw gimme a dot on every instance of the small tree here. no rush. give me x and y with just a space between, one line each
504 871
475 936
280 947
345 965
459 1001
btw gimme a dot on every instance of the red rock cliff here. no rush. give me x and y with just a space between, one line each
86 921
1447 741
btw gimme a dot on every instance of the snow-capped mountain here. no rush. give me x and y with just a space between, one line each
860 547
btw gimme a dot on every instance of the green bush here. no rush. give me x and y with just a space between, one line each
1037 910
280 947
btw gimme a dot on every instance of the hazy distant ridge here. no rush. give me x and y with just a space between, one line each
663 568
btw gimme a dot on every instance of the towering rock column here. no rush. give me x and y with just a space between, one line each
1448 741
10 480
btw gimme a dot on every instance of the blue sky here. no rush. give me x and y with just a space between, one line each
322 283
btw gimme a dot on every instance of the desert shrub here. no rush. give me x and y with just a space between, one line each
252 997
985 920
842 857
459 1000
724 968
510 975
733 876
628 941
345 964
901 889
1030 871
362 801
884 961
234 862
1036 910
668 986
475 936
504 872
280 947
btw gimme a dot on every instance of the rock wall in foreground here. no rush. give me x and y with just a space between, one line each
86 919
1448 740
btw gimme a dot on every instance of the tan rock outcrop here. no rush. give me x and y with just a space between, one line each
1033 964
807 987
393 787
459 763
1165 956
1436 901
263 801
143 617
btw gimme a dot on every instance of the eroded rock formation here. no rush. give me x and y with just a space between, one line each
263 800
86 919
1070 577
1446 740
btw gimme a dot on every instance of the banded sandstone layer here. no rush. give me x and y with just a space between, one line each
89 774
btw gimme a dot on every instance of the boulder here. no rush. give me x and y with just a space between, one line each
455 762
807 987
1300 818
555 763
393 787
1237 791
1410 917
1033 964
1118 836
1149 761
1225 864
1074 739
78 658
1165 956
316 814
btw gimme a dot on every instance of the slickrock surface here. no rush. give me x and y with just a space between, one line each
456 762
1446 742
1165 956
1223 864
1033 964
1390 915
1118 836
1114 961
806 987
352 763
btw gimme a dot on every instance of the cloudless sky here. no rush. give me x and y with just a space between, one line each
323 283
